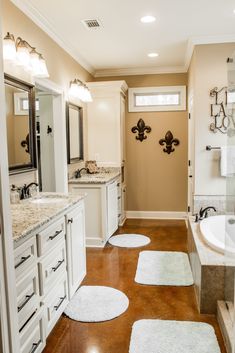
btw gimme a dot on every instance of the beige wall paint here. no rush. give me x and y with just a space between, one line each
208 69
156 181
61 66
17 130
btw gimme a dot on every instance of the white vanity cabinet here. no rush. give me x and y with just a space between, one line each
101 207
49 267
106 128
76 247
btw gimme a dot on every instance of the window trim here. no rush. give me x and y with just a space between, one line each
132 92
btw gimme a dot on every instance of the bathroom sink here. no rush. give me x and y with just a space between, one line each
47 200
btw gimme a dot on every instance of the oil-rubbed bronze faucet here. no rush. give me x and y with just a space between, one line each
78 172
203 212
24 191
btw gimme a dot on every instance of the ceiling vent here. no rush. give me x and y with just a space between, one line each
92 24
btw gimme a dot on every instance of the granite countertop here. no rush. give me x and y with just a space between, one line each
97 178
30 214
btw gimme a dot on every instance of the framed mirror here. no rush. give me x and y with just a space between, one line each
74 133
20 121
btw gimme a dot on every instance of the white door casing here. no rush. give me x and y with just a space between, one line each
59 133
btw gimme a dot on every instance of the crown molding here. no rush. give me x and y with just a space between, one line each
111 85
27 8
140 71
192 42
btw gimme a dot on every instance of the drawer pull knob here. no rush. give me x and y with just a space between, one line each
60 303
59 264
119 197
27 299
70 220
56 234
23 259
35 346
118 184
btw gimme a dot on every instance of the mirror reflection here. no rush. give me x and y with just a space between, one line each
20 125
74 133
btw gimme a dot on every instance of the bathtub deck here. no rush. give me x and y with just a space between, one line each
209 272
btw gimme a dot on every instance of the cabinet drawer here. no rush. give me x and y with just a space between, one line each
55 303
49 237
27 289
32 337
25 257
52 266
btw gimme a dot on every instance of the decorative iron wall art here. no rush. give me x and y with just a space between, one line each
223 118
25 144
141 128
169 141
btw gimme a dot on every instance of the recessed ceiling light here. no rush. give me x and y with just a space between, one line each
234 11
153 55
148 19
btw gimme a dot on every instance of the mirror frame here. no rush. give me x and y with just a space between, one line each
21 168
80 110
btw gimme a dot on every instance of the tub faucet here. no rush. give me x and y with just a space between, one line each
203 213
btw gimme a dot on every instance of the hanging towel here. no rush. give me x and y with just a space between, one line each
227 162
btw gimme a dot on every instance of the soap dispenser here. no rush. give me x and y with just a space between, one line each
14 195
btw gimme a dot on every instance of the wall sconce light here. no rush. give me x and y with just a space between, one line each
79 90
20 52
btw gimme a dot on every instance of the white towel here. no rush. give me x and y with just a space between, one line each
227 162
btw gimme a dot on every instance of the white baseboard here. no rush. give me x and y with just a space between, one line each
156 215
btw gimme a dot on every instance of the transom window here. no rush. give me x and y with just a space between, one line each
157 98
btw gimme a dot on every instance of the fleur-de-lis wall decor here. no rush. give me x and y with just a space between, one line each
25 143
141 128
169 140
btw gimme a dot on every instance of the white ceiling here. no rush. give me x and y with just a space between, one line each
121 45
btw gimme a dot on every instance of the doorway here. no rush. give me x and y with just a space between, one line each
51 137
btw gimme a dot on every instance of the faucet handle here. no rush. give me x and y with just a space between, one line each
196 217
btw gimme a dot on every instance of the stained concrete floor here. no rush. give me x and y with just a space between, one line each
116 267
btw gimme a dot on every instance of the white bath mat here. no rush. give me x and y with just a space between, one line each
129 240
96 303
164 268
163 336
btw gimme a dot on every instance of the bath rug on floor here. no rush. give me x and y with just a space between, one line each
164 268
129 240
163 336
96 304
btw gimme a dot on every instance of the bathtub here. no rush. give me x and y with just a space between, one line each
219 233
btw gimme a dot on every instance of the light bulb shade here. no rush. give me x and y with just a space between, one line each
34 62
87 95
9 48
22 54
73 89
41 70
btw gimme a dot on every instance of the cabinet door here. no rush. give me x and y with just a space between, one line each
76 248
103 121
112 208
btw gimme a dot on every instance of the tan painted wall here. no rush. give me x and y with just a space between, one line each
156 181
17 130
61 66
208 69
